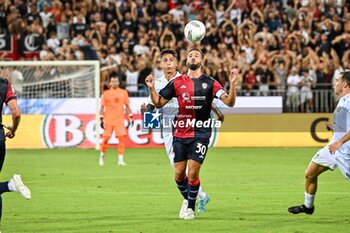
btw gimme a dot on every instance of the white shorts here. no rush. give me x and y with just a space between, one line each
168 143
339 159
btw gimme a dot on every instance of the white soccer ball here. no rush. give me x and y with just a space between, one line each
194 31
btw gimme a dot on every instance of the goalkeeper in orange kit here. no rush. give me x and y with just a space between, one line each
112 118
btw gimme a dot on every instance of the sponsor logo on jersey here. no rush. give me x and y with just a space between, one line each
193 107
198 98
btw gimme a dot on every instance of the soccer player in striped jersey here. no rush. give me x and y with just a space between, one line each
194 92
169 64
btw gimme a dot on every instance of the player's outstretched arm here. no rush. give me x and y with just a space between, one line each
16 118
230 99
157 100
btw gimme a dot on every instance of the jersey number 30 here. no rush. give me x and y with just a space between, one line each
201 148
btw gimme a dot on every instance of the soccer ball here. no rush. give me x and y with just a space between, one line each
194 31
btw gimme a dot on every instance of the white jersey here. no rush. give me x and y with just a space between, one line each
341 125
169 111
160 83
341 122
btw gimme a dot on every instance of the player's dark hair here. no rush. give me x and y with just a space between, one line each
113 75
195 49
168 51
345 76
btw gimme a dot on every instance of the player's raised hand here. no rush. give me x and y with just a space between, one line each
233 76
150 81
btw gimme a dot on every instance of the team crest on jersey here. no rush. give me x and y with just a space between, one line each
186 96
204 85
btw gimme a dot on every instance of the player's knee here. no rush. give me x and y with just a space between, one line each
180 176
121 141
193 174
105 140
309 175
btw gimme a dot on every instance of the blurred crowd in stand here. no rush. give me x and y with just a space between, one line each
290 48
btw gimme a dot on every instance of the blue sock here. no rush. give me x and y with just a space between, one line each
4 187
182 186
193 187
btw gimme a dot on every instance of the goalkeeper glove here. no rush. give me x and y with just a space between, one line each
101 122
131 121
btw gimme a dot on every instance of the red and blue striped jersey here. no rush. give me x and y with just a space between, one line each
195 96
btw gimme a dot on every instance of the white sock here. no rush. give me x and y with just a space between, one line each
309 200
11 186
201 193
102 154
120 158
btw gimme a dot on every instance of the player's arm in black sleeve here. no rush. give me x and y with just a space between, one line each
164 96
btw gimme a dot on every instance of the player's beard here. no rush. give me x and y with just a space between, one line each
194 66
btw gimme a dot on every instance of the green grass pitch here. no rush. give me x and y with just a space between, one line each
250 191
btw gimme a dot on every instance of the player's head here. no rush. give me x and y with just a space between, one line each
194 59
168 60
114 82
341 85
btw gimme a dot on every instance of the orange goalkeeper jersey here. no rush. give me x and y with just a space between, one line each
113 102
